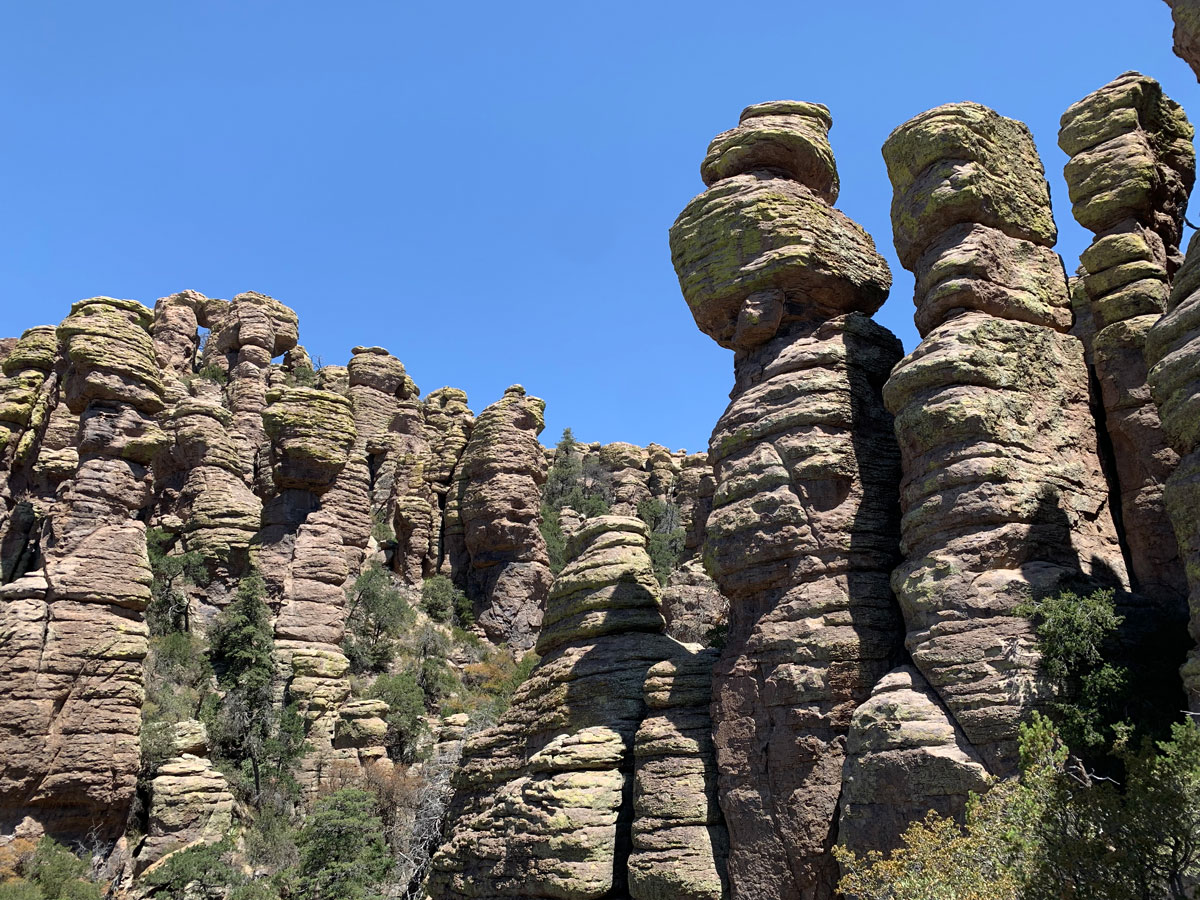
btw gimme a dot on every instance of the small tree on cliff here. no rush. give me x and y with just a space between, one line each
246 726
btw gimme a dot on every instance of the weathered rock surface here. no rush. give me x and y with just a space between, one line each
190 801
1003 493
679 840
1186 14
70 716
904 757
544 802
802 533
1131 170
1173 353
498 500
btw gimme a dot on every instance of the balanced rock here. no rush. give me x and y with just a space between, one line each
802 533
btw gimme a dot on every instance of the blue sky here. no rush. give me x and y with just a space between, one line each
485 189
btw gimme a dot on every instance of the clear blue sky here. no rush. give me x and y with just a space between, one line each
482 188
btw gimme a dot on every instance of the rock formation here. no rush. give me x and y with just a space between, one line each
190 802
497 501
679 841
802 533
1186 14
1173 352
1003 494
1131 170
545 802
75 638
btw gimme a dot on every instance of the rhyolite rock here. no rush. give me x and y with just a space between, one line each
1132 167
1173 353
498 501
72 663
544 800
802 533
904 757
1186 14
1003 494
679 840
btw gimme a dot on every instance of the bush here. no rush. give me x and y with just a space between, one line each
51 872
194 872
171 573
342 852
213 372
381 528
1076 637
1056 832
20 889
377 615
443 602
406 713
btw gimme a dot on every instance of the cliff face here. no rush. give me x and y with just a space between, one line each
810 635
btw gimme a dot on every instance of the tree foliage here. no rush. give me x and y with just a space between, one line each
584 487
376 616
1057 832
342 852
171 573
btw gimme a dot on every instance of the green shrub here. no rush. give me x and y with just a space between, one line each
20 889
381 528
377 615
342 852
1056 832
406 713
1076 637
304 376
59 874
197 871
213 372
443 602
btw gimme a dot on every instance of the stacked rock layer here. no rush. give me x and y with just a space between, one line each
802 533
1131 170
545 802
1003 494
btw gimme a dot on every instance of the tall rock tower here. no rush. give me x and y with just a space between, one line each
803 532
1003 494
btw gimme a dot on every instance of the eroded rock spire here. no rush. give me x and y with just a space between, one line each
803 531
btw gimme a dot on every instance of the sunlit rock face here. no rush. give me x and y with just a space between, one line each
1003 493
546 802
1132 167
803 531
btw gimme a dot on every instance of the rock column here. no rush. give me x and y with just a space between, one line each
1003 494
1132 167
498 487
544 805
71 711
803 530
1173 352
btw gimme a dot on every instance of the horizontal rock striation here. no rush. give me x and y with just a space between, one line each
1003 493
497 500
1173 352
544 800
1132 167
802 533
